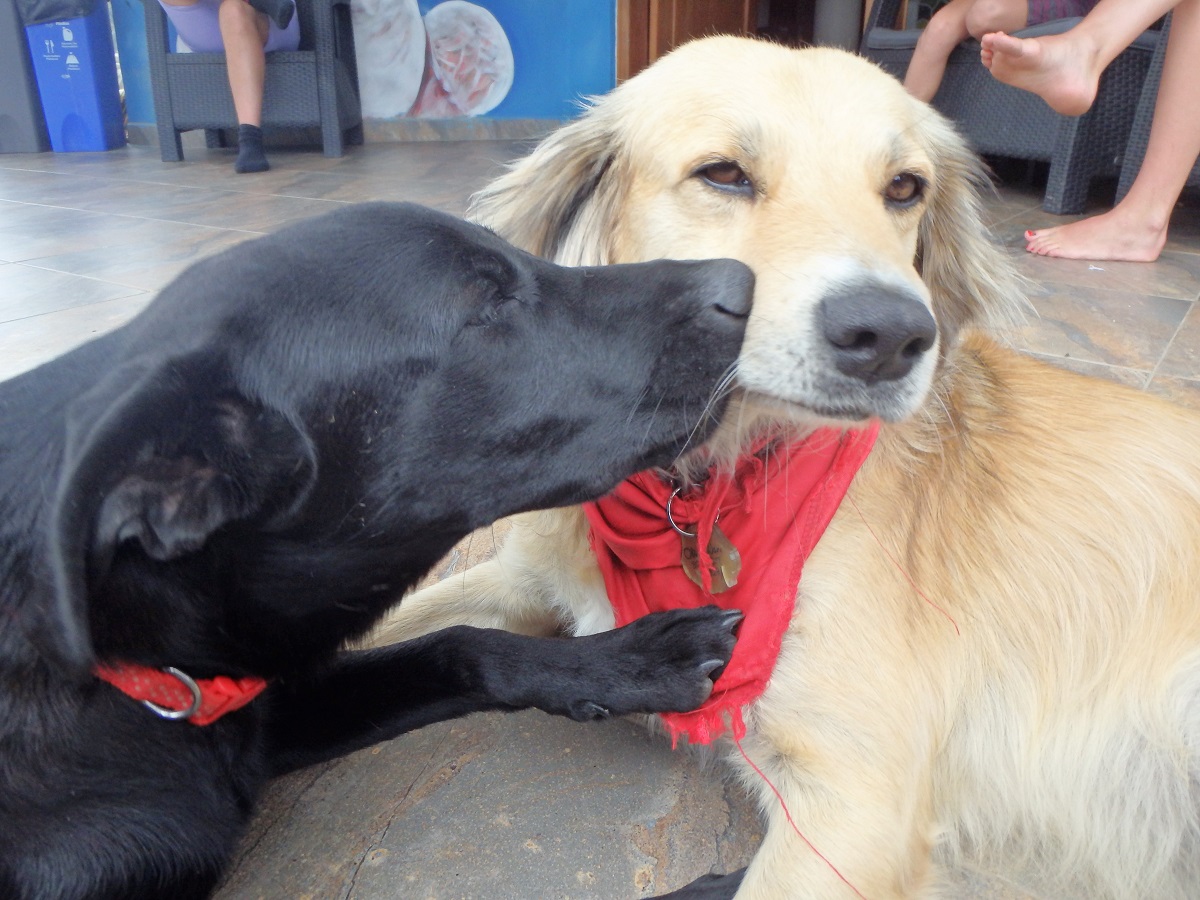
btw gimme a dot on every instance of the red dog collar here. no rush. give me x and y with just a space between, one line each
173 694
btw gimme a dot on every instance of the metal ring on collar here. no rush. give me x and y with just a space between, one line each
177 714
671 519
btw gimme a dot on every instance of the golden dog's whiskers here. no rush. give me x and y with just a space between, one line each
723 389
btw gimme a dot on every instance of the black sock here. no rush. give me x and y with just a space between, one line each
250 156
278 11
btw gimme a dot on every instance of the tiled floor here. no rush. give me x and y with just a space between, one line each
521 806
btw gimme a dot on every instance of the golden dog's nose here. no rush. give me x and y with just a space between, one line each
877 331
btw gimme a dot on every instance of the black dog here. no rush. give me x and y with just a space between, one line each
252 470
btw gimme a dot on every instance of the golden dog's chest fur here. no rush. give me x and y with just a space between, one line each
996 648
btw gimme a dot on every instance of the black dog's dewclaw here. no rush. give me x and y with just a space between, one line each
587 711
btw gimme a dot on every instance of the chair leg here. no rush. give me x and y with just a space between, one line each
169 143
1066 191
214 138
332 143
1071 168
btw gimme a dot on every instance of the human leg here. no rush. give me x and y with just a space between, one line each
1064 69
950 26
244 31
986 16
945 30
1136 228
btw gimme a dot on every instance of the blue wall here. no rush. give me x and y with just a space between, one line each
129 20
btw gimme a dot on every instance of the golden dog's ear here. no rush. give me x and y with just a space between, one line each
971 278
559 202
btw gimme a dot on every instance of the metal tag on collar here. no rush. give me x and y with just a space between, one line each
726 559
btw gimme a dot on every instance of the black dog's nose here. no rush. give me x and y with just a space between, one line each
732 286
877 332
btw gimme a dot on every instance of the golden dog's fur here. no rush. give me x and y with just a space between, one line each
1055 519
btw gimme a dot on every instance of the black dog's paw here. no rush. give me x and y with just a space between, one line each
663 662
708 887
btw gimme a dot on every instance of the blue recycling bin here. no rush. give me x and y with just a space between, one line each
76 72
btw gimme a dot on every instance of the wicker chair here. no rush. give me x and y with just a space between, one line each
1004 121
314 85
1139 133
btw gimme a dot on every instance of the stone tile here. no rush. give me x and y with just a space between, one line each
28 231
1115 328
333 186
70 190
1182 359
146 266
477 547
246 212
1134 378
1011 203
1183 235
27 291
654 821
226 208
1184 391
1175 274
29 342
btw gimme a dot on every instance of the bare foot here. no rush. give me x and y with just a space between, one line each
1110 236
1057 67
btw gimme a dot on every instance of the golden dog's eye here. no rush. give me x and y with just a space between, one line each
727 176
905 189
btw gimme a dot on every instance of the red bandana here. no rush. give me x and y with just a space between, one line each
773 510
218 696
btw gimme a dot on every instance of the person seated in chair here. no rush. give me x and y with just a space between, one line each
246 30
1064 70
961 19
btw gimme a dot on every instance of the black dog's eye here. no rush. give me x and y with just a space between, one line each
494 312
727 176
905 189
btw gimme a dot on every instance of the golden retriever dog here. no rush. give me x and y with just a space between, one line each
995 651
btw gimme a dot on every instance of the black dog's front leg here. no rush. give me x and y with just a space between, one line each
664 662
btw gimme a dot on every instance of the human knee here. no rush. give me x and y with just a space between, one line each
986 16
237 14
944 31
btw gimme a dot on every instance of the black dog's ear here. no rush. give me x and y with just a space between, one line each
164 457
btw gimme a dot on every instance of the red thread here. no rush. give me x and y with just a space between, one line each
787 813
900 568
